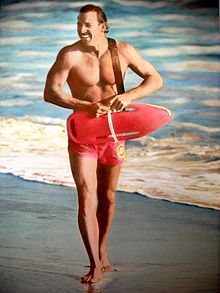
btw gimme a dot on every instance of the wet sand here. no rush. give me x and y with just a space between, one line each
158 246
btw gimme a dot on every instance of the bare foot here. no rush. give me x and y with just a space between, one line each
106 265
94 275
108 268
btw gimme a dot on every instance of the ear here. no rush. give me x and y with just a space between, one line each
104 27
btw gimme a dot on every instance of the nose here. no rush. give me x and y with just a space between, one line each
82 29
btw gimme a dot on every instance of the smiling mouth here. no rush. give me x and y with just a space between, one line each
85 37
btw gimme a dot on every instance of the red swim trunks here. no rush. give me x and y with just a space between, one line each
110 153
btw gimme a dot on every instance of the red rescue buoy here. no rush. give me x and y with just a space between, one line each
135 121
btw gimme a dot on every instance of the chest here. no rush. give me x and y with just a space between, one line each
94 71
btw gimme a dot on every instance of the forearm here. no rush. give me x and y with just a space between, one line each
59 98
149 85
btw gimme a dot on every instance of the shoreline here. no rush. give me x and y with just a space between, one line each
155 245
175 169
122 189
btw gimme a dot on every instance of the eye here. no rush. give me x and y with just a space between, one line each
88 25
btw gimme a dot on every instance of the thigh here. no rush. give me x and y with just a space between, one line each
107 178
84 171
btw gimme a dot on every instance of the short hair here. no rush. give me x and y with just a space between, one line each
101 16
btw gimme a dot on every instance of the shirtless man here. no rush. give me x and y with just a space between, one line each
86 66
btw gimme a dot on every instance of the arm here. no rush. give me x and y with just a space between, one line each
152 80
56 78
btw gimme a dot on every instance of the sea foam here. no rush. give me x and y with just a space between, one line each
35 148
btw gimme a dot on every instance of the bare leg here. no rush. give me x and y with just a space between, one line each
84 174
107 183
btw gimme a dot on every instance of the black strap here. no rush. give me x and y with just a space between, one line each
112 46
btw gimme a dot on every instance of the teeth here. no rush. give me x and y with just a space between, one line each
85 37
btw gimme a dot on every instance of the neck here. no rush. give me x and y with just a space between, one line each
98 49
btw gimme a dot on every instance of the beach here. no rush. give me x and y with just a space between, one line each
157 246
179 162
165 236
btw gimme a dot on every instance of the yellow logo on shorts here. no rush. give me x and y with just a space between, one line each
120 151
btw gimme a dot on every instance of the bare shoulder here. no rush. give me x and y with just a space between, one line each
124 46
128 51
68 55
135 61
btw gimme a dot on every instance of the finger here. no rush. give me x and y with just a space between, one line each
117 105
101 113
114 104
103 108
113 100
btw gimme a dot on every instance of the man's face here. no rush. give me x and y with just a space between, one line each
89 29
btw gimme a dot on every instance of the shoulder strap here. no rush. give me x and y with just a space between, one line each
112 46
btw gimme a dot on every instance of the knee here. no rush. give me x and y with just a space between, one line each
107 197
110 196
86 198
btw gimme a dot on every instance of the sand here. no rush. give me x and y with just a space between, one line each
157 246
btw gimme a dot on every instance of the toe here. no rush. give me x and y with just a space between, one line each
108 268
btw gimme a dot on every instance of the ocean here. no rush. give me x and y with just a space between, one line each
179 162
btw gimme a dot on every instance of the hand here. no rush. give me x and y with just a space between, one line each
119 102
98 109
108 101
